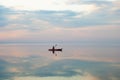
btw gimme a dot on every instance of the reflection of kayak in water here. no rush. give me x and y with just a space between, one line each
53 49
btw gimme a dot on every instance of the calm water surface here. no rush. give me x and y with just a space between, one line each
75 62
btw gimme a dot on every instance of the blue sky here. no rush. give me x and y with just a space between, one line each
64 20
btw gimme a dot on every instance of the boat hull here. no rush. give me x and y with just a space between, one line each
55 49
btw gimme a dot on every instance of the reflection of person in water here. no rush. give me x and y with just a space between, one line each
53 48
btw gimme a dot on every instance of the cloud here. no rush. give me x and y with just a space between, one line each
87 34
47 5
58 23
52 5
4 11
92 15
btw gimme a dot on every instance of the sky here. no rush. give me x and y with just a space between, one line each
60 21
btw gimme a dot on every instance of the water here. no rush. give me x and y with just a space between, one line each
76 62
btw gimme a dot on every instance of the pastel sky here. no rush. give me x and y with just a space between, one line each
59 20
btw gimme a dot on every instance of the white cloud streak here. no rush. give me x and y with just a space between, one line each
51 5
